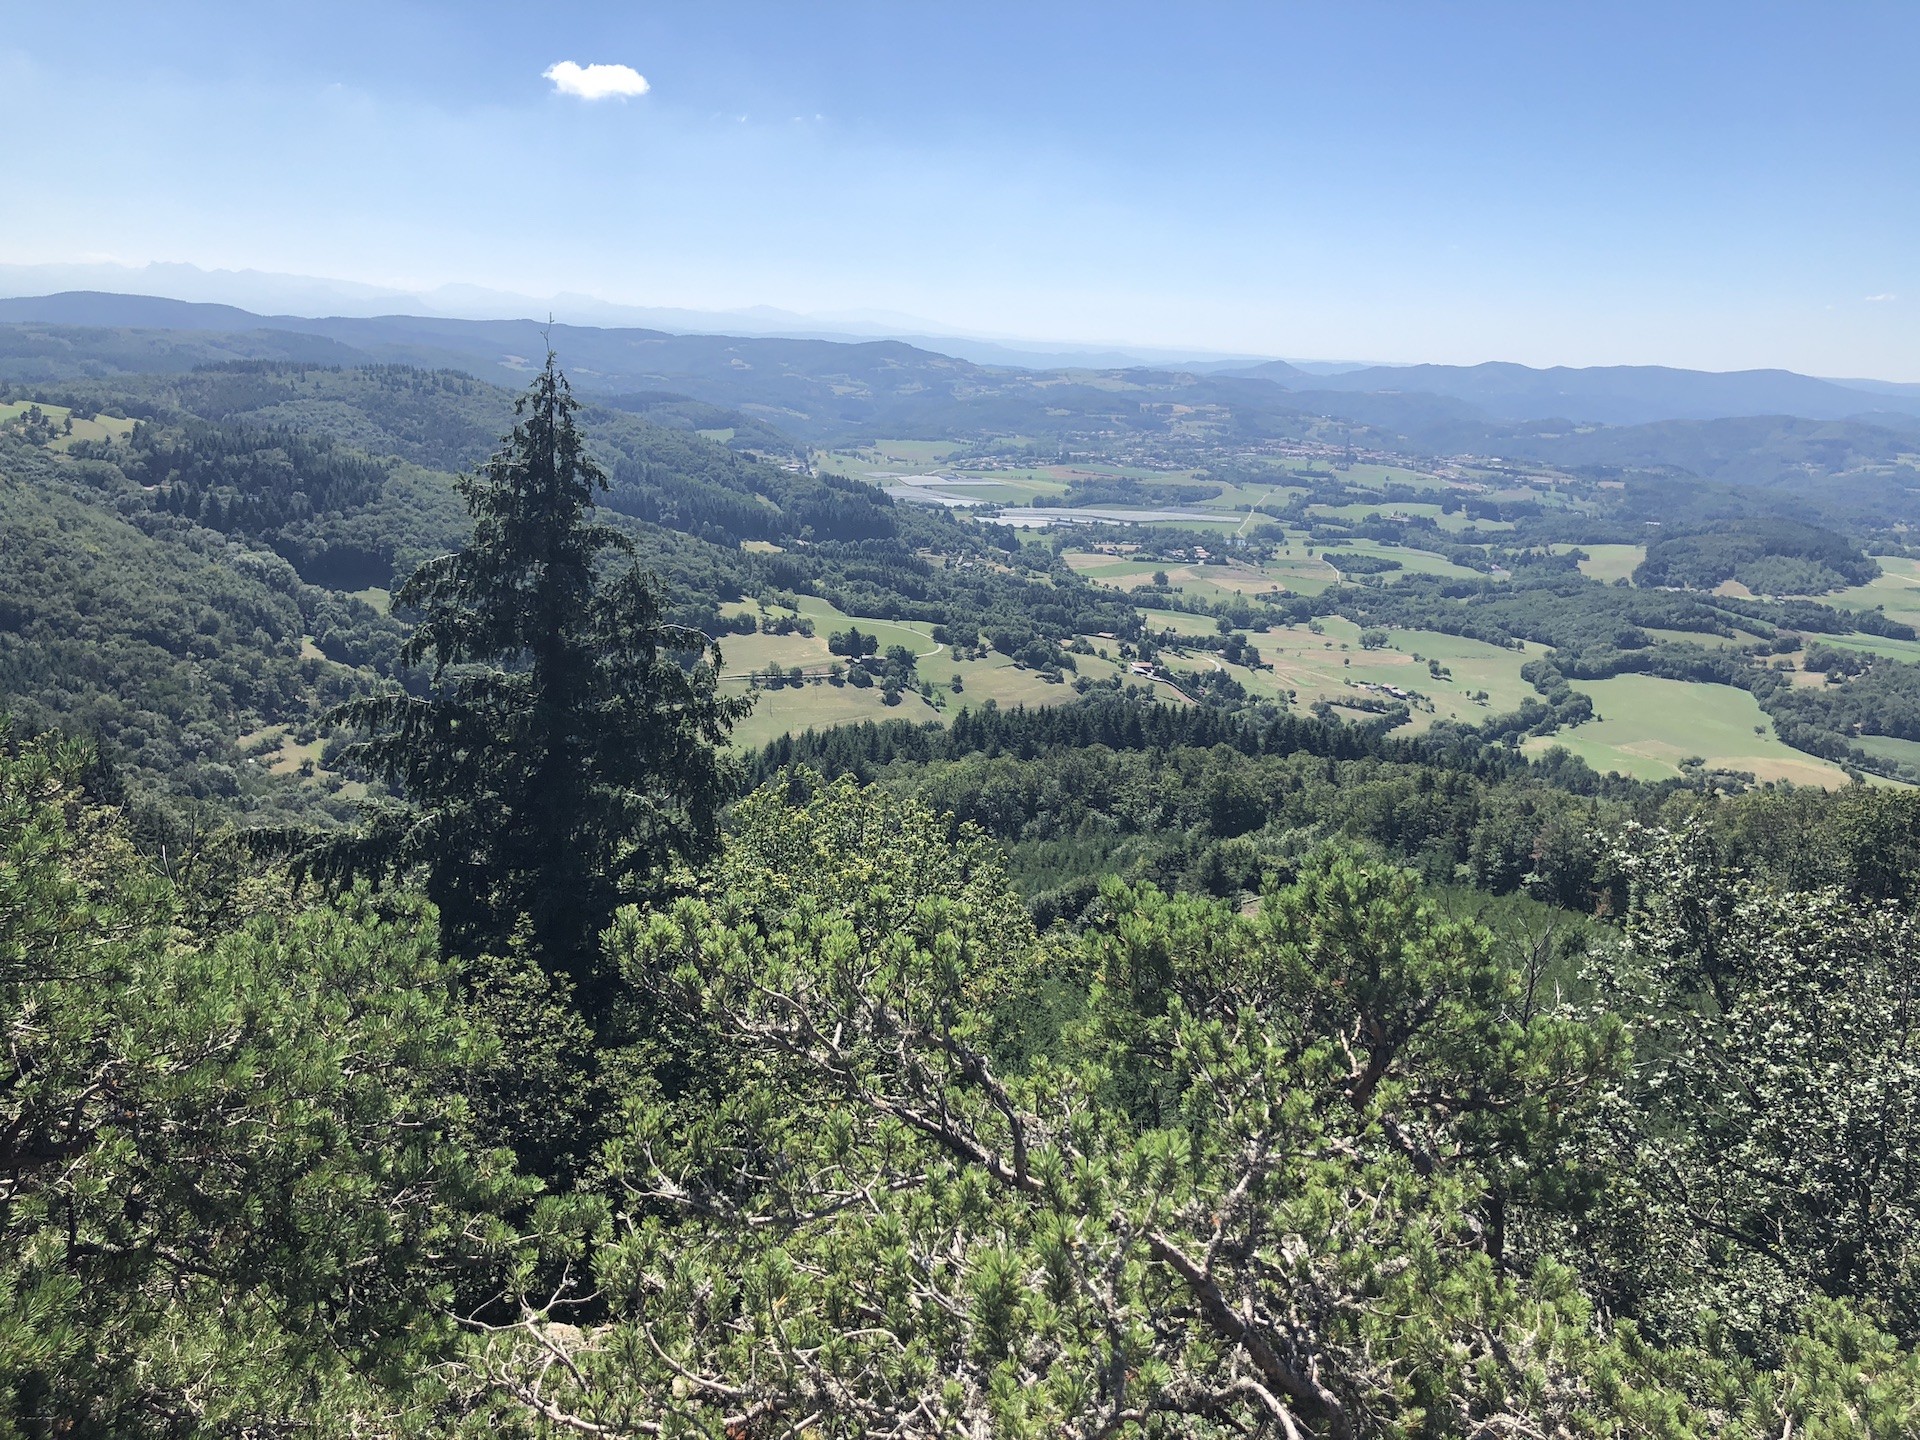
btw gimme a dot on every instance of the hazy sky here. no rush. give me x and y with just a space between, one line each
1684 183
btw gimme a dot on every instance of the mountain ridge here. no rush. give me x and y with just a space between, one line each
1611 394
617 357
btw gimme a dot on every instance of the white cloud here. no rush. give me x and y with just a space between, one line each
596 82
1881 299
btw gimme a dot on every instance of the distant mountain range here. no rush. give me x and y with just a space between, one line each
1609 394
731 369
269 293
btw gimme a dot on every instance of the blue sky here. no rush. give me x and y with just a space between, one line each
1695 184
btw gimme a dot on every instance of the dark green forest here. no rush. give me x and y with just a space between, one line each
422 1019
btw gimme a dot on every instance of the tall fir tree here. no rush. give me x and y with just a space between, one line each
567 748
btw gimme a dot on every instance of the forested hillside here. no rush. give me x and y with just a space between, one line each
1755 428
300 496
524 915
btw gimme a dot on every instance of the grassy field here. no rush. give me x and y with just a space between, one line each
1298 571
104 428
1701 637
742 654
1412 561
1221 582
1333 666
1896 589
1607 563
1291 569
1239 497
1361 509
1209 582
820 705
1646 726
1180 622
1889 748
1117 572
1364 475
906 455
1907 650
278 752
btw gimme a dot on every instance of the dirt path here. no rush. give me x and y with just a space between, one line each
1253 507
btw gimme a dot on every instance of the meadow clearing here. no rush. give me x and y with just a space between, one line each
103 427
1645 726
818 704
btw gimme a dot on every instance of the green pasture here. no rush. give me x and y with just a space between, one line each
1361 509
1116 571
1412 561
278 753
1000 488
1461 523
905 456
850 463
1333 666
1221 582
1907 650
914 452
820 705
1366 475
1180 622
1645 726
1207 582
817 707
1607 563
743 654
1298 571
1896 590
1888 747
1239 497
103 428
1456 523
1700 637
